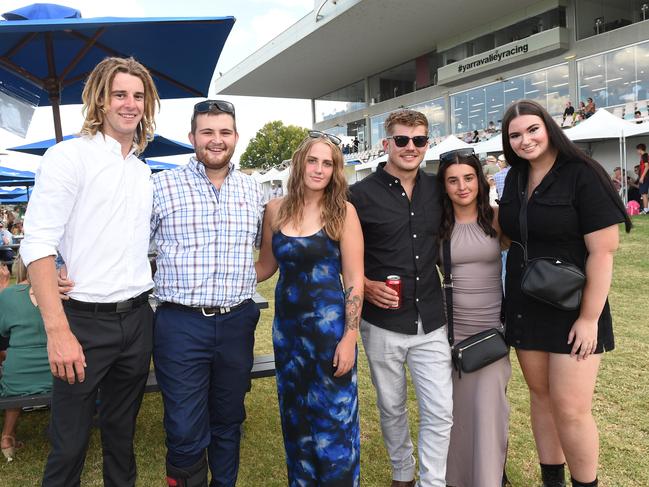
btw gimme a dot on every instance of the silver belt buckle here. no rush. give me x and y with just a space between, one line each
207 315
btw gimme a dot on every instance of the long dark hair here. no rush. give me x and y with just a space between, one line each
485 211
562 144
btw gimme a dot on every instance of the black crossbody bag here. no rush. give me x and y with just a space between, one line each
548 279
478 350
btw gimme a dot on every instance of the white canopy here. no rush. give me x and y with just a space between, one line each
271 175
494 144
448 144
604 125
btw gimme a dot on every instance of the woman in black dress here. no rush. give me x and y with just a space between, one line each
573 214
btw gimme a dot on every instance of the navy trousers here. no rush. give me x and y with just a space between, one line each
203 365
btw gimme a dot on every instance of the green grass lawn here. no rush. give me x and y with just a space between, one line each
621 407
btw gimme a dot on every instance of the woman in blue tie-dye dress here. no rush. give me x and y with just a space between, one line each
314 236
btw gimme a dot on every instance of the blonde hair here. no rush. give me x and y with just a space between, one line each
333 209
96 94
19 269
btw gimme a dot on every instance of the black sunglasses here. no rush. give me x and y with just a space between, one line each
208 105
402 140
452 155
316 134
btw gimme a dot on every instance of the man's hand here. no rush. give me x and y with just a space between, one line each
5 276
377 293
67 361
65 285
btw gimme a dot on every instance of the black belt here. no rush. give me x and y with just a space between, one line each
120 307
207 310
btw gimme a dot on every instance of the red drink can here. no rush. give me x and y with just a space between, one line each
394 282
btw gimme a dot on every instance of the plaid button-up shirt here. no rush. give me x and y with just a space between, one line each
205 237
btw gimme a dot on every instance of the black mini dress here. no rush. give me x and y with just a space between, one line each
569 203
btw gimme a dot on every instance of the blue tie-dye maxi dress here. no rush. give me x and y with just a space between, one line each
319 412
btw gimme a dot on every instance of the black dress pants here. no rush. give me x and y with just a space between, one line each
117 347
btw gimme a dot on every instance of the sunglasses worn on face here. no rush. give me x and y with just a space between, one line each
402 140
207 105
316 134
451 155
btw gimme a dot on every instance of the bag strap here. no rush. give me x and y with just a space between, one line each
522 215
448 290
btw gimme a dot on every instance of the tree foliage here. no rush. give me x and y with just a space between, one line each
272 144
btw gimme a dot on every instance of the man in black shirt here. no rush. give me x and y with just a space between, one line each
399 210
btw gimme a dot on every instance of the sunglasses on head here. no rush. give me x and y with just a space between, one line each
207 105
402 140
316 134
452 155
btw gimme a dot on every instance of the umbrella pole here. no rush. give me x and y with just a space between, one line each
53 86
56 113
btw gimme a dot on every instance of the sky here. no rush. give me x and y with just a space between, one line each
257 22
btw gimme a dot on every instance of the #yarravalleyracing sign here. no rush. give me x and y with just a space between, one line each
534 45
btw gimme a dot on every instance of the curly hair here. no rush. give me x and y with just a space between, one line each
333 207
559 141
485 211
96 94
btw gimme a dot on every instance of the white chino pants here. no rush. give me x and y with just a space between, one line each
428 357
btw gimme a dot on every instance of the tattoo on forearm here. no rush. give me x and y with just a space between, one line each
352 310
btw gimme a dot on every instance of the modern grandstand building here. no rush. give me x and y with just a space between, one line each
461 62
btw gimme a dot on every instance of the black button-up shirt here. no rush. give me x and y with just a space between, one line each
401 238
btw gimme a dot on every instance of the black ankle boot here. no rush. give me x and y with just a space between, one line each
577 483
194 476
553 475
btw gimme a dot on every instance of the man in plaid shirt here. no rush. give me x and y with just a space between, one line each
206 221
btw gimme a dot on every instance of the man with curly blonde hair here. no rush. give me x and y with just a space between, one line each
92 204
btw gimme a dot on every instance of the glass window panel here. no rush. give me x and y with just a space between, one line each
339 102
477 116
377 128
558 87
536 87
620 74
513 90
642 70
460 113
592 81
394 82
495 101
598 16
435 111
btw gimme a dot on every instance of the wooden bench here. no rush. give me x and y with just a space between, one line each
263 366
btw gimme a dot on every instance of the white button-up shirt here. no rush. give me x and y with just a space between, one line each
93 206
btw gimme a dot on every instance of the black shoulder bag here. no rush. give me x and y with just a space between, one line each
478 350
548 279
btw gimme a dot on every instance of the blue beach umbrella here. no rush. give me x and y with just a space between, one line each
45 58
157 166
8 176
159 147
17 195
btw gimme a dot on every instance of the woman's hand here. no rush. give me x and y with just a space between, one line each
583 336
345 355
